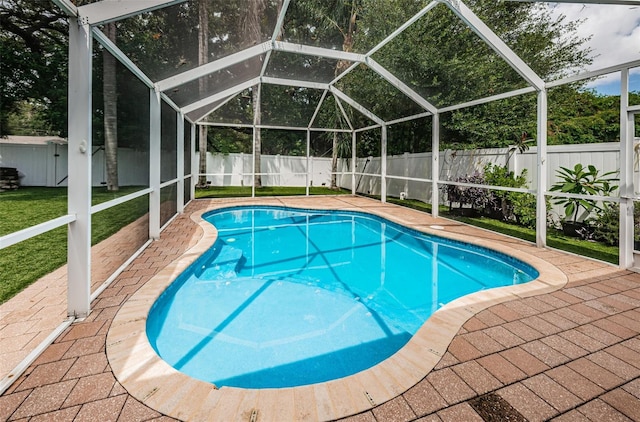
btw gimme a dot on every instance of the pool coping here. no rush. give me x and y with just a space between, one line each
156 384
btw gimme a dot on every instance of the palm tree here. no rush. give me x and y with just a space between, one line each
110 97
251 30
203 56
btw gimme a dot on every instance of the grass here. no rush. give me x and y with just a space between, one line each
245 191
555 238
27 261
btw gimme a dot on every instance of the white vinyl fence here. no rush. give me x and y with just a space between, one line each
277 170
46 165
454 164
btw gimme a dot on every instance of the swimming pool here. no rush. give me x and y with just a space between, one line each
293 297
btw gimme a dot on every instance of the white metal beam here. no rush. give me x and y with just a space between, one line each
194 162
112 10
408 118
293 82
155 146
435 164
594 73
485 100
389 77
402 27
344 114
67 7
344 97
211 67
79 168
121 57
220 95
180 162
278 28
620 2
308 50
383 164
541 182
495 42
318 107
217 107
626 234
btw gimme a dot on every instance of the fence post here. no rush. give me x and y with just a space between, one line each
405 159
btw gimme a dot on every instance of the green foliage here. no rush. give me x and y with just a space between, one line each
555 239
606 227
33 68
582 181
25 262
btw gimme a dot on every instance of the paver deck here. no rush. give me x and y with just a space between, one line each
572 354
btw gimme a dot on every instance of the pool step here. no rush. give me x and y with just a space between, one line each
225 265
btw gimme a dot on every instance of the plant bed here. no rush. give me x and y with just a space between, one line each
573 229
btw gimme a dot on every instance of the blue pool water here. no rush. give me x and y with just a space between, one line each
290 297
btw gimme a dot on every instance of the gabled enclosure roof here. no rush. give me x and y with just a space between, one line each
292 55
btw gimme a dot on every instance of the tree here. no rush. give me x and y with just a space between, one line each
110 98
251 31
33 68
336 25
203 58
447 63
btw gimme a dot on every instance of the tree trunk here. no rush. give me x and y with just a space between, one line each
203 58
250 28
202 161
341 66
334 162
110 97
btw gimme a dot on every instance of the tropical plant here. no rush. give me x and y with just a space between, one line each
499 201
606 227
582 181
475 197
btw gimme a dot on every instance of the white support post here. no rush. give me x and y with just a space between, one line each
155 144
194 162
383 165
541 185
354 160
256 113
79 167
180 163
625 258
308 152
435 164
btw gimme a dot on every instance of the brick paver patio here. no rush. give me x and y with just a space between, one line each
573 354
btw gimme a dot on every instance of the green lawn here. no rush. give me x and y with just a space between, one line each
245 191
555 238
27 261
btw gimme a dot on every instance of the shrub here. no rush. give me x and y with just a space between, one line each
476 198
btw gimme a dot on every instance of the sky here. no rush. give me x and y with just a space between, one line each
615 40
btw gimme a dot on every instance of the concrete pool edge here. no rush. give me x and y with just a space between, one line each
159 386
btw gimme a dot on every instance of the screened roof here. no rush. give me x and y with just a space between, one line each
314 69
